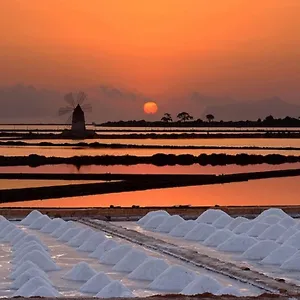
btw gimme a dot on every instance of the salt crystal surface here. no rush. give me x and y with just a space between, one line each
257 229
130 261
45 291
183 228
22 268
279 255
200 233
284 237
114 255
95 284
272 211
230 290
69 234
271 219
52 225
155 221
294 240
151 214
237 243
80 272
18 237
62 229
20 254
26 239
114 289
260 250
26 276
222 221
287 222
236 222
7 230
11 235
103 247
40 222
202 284
173 279
210 216
149 269
35 214
169 224
272 233
81 237
92 242
218 237
243 227
292 264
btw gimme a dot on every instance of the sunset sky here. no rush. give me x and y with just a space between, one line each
239 49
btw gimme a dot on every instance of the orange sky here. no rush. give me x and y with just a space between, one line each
232 47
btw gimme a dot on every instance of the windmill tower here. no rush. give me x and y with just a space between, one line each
77 110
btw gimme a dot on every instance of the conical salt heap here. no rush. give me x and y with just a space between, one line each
95 284
237 243
34 215
200 233
151 214
28 239
272 233
210 216
11 235
236 222
23 268
44 291
272 211
20 254
26 276
222 221
18 237
244 227
155 221
279 255
80 272
40 222
114 255
7 230
103 247
81 237
183 228
69 234
62 229
130 261
52 225
114 289
92 242
169 224
218 237
257 229
260 250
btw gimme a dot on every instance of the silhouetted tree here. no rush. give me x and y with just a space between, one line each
184 116
210 117
167 118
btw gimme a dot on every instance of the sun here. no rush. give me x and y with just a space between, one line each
150 108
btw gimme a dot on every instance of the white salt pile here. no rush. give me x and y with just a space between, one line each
218 237
229 290
149 269
34 215
45 291
30 286
210 216
257 229
244 227
155 221
92 242
7 230
52 225
183 228
272 211
200 233
287 222
284 237
27 247
62 229
236 222
237 243
292 264
279 255
18 237
114 289
114 255
294 241
80 272
26 250
260 250
41 260
81 237
23 268
40 222
272 233
28 239
130 261
174 279
26 276
95 284
103 247
271 219
11 235
151 214
202 284
222 221
69 234
169 224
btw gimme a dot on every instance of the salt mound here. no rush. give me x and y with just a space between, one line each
284 237
11 235
236 222
297 225
155 221
26 250
272 233
80 272
271 219
7 230
294 241
103 247
96 283
183 228
114 255
169 224
260 250
130 261
81 237
222 221
237 243
218 237
200 233
210 216
40 259
202 284
69 234
40 222
45 291
26 239
151 214
243 227
279 255
92 242
292 264
34 215
229 290
18 237
257 229
31 286
52 225
149 269
287 222
114 289
26 276
23 268
272 211
62 229
28 247
173 279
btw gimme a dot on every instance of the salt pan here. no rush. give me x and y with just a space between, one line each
114 255
114 289
210 216
237 243
260 250
81 237
200 233
95 284
34 215
217 238
279 255
103 247
40 222
92 242
169 224
183 228
80 272
52 225
130 261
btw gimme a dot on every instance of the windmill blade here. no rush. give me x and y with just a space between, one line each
65 110
81 97
86 107
70 99
69 120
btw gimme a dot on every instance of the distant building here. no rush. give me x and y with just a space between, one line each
78 121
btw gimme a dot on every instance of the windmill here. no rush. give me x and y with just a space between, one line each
76 109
